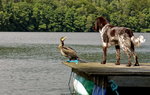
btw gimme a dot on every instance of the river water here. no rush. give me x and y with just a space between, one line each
30 63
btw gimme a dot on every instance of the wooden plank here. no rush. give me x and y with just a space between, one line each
134 76
110 69
131 81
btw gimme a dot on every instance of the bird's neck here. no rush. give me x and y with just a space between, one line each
61 44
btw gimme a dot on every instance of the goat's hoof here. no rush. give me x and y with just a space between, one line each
129 64
136 64
103 62
117 63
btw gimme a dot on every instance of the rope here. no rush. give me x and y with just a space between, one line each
114 86
103 83
71 76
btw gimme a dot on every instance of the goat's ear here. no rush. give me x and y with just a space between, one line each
96 25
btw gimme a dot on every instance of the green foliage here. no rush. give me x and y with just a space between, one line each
72 15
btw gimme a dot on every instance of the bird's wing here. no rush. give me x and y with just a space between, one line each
69 51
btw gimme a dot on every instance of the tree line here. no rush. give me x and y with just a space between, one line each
72 15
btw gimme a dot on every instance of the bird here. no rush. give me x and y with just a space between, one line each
67 51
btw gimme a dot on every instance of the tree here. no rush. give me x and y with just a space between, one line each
1 5
72 15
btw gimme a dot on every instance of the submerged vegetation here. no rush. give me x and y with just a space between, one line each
72 15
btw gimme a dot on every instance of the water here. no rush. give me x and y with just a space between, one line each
30 63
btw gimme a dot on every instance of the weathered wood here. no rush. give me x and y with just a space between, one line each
134 76
110 69
98 80
131 81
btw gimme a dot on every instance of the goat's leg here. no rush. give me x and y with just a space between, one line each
134 55
129 58
104 55
129 53
117 54
136 59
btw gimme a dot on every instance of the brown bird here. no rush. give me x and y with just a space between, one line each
67 51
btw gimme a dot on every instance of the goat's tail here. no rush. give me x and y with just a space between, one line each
137 41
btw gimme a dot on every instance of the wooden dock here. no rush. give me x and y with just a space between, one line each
134 76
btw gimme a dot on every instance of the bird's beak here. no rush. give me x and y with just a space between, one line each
64 38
